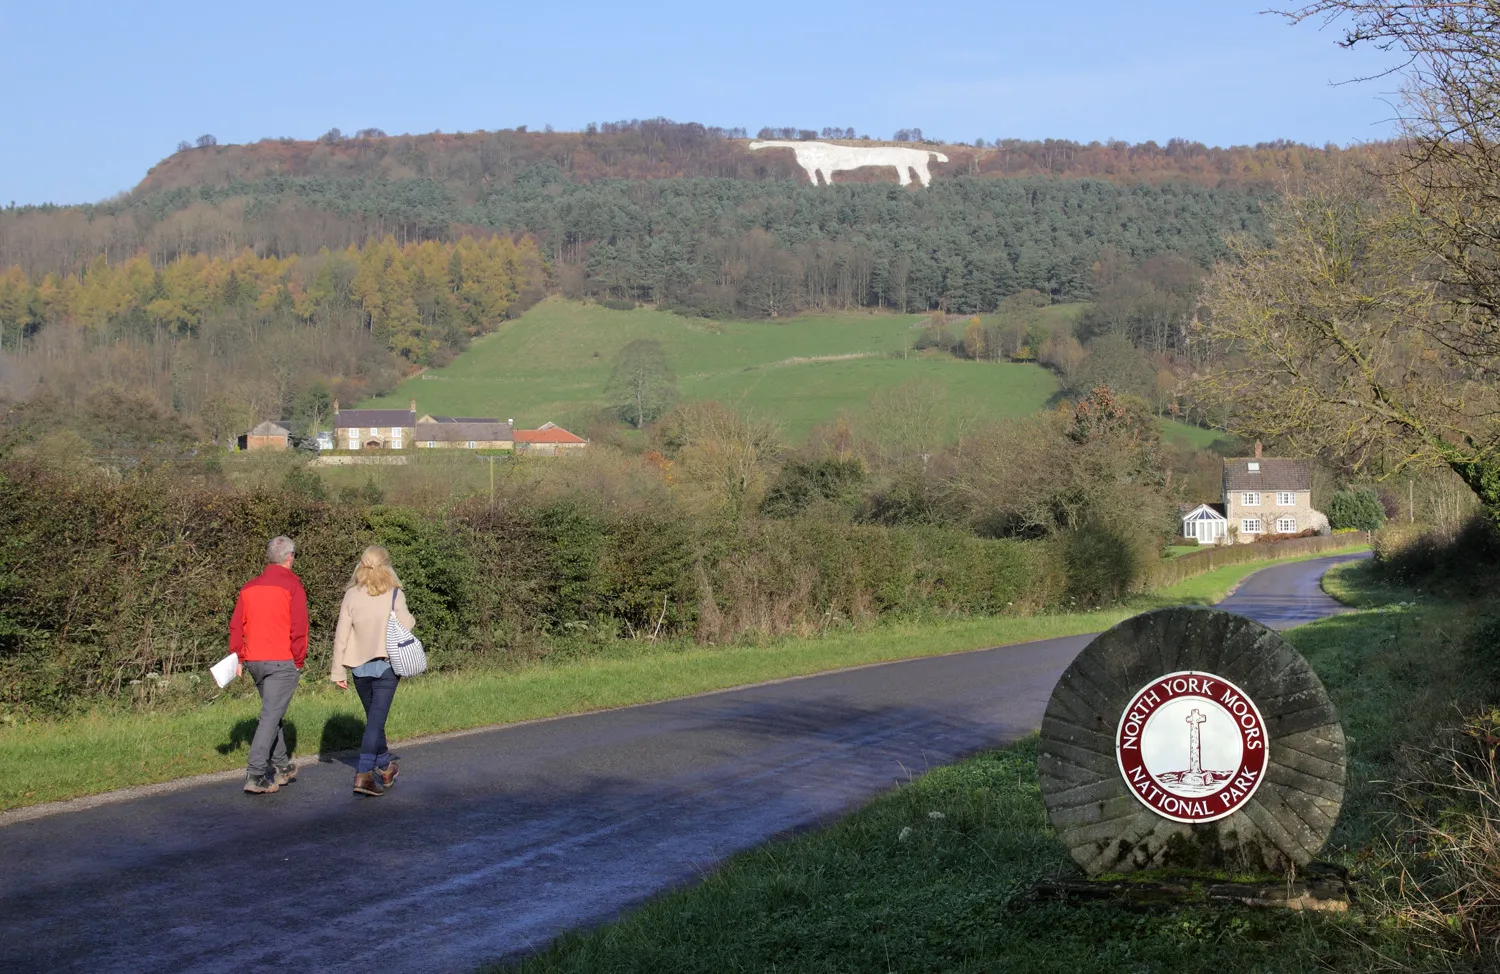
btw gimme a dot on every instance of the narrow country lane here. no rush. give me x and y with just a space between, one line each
494 842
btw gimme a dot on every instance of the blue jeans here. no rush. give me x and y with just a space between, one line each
376 693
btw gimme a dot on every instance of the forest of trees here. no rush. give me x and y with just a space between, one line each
713 247
226 342
282 196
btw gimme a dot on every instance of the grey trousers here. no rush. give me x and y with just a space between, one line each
275 679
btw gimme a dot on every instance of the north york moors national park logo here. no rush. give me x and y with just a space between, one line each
1192 746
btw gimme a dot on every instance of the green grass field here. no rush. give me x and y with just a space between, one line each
553 361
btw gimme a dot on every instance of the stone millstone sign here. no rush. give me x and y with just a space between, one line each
1191 738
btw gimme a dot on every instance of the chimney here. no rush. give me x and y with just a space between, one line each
335 407
1257 449
413 405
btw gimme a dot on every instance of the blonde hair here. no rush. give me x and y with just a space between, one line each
374 572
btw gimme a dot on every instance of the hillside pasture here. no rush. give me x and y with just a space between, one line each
551 364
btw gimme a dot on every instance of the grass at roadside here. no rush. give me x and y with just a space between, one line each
937 875
105 750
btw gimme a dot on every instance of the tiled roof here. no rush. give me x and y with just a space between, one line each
345 418
548 434
1275 473
458 419
481 431
269 428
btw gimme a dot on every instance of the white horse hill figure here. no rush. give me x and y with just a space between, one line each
827 159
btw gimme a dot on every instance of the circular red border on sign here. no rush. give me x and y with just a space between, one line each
1193 793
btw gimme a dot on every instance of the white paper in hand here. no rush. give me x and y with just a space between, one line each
223 670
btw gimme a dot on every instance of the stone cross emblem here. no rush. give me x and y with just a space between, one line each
1194 775
1222 768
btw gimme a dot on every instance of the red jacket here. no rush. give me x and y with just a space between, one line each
270 618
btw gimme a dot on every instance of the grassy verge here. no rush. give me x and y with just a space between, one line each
937 875
1357 584
109 749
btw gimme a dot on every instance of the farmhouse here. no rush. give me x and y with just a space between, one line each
464 433
549 439
267 436
373 429
1262 496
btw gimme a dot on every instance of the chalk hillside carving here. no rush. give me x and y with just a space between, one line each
825 158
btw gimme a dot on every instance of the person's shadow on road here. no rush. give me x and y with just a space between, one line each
243 732
341 732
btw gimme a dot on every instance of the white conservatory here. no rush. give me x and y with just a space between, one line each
1206 524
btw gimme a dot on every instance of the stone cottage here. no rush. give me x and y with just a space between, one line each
1268 495
374 429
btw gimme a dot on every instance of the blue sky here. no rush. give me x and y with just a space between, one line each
98 92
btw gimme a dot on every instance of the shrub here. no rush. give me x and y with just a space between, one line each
1103 562
800 484
615 304
1465 560
1359 508
108 585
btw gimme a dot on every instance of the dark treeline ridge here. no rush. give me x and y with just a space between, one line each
714 247
660 148
281 197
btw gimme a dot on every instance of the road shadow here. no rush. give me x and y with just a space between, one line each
241 734
342 734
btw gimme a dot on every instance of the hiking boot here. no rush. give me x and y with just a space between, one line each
259 784
388 773
286 775
368 784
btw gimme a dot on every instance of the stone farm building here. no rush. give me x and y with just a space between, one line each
267 436
1262 496
373 429
549 439
464 433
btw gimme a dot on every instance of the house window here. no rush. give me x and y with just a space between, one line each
432 443
1285 498
1253 466
1250 525
1250 498
396 443
471 444
1286 525
395 432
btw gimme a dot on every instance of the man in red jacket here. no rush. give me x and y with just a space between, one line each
269 634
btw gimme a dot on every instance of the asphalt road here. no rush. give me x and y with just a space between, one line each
494 842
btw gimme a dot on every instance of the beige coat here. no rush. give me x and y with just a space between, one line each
360 636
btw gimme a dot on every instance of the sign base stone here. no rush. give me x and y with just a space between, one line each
1192 739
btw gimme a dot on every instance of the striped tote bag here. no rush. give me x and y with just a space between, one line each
405 650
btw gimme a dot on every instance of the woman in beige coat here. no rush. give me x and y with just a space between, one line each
359 646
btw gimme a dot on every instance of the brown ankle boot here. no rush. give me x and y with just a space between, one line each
387 774
367 784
